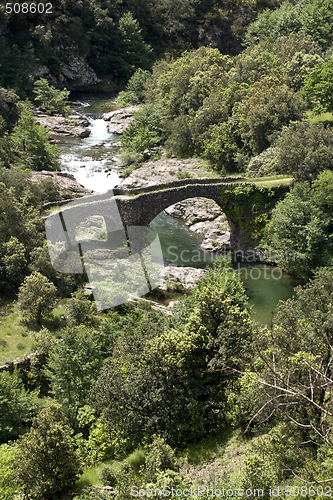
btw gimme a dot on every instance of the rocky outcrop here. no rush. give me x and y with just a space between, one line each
181 278
78 73
67 186
164 171
120 119
74 74
60 126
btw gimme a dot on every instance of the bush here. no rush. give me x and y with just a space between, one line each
305 150
108 477
134 89
50 99
221 149
37 297
145 131
268 107
31 143
264 164
47 462
318 88
81 310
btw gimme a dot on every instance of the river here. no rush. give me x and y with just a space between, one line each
91 161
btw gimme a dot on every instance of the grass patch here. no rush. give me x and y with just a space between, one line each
322 118
91 476
208 449
15 339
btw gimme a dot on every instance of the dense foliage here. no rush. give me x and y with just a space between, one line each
243 85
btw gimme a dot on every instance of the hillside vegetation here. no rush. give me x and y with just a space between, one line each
131 398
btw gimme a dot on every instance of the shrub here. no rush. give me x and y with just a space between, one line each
31 143
145 131
305 150
221 149
37 297
134 89
263 164
50 99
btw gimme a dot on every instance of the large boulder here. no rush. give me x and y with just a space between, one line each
61 126
120 119
66 183
205 217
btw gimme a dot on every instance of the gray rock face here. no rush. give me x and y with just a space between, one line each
183 277
75 73
68 187
195 210
120 119
60 126
78 73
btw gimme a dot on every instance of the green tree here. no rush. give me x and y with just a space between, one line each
297 234
81 310
182 86
73 364
65 283
9 110
46 461
304 150
133 51
50 99
17 406
296 70
313 17
134 89
323 192
318 88
268 107
272 24
31 143
221 149
8 484
13 263
317 20
291 374
36 297
170 382
254 63
159 456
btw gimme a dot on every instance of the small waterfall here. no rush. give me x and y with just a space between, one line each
90 160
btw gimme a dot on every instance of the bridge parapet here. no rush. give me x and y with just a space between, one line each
179 183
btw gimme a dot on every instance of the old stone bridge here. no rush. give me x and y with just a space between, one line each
124 208
139 206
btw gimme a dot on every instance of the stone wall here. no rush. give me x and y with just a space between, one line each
19 363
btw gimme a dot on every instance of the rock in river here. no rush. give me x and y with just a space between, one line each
120 119
61 126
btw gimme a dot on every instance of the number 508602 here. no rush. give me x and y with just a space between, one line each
29 8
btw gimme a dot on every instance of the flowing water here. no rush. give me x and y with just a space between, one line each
91 161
